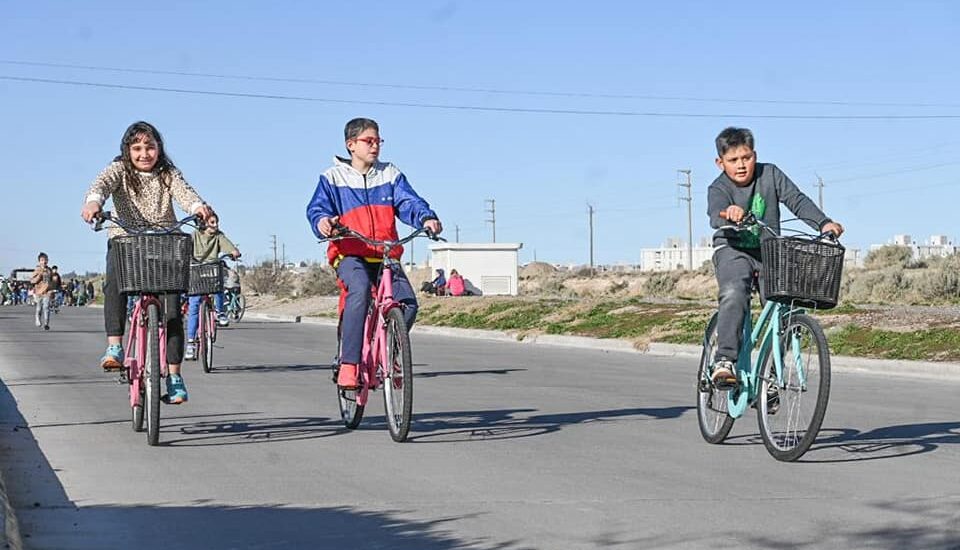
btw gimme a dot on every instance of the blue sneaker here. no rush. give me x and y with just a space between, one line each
176 390
112 359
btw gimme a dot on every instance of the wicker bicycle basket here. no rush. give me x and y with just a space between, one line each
153 263
206 278
802 271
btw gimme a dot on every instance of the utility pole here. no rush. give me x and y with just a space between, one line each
457 228
820 185
274 246
590 212
493 216
283 264
689 199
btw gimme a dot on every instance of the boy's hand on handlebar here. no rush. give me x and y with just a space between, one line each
327 226
832 227
733 213
434 226
90 211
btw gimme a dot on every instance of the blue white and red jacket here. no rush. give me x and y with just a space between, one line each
367 203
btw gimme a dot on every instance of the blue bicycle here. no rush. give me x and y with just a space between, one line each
787 379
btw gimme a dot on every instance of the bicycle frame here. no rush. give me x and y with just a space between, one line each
768 330
136 340
373 355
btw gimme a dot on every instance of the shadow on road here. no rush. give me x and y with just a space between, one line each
49 519
851 445
244 431
887 442
270 368
464 372
446 427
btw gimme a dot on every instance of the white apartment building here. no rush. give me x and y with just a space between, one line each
936 246
673 254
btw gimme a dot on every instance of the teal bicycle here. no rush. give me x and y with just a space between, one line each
783 368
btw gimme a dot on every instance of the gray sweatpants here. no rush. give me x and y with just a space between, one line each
43 309
734 269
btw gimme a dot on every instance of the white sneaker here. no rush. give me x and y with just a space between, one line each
38 322
190 354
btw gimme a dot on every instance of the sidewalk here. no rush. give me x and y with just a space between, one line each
888 367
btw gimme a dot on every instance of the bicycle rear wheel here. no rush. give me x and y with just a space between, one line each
715 423
398 385
350 411
205 337
152 375
791 410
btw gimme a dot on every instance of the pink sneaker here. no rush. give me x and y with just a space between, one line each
347 379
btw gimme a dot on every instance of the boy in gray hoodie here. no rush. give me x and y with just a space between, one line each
758 188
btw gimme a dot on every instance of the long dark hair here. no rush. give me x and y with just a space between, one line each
164 164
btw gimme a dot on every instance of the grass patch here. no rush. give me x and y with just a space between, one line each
938 344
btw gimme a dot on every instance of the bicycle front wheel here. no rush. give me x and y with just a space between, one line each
715 423
152 375
398 382
205 337
241 307
791 409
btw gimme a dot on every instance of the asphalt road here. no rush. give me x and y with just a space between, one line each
513 446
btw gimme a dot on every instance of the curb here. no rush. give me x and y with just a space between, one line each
889 367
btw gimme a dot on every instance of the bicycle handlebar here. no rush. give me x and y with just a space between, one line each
108 216
749 220
343 232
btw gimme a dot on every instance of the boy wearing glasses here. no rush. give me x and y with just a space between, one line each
367 196
758 188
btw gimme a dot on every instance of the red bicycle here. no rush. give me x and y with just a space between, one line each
386 359
150 262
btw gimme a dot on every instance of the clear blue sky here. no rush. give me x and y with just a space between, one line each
256 160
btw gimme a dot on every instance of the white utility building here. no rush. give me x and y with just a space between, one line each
490 268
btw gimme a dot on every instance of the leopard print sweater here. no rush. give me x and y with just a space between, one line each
152 205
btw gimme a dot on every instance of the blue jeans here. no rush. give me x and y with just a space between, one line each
193 313
359 277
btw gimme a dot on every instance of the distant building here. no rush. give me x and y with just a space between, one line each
490 268
672 255
938 246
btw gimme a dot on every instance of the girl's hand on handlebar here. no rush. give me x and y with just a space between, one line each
90 211
326 226
204 211
733 213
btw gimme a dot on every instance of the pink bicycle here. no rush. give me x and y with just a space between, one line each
149 263
386 359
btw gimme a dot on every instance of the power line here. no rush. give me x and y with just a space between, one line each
477 107
469 89
895 172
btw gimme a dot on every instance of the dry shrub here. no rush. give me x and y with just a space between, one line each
263 279
662 284
320 280
888 256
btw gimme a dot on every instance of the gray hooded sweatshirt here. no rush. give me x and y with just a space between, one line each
763 196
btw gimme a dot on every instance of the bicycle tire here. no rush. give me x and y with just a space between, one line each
241 307
786 431
398 384
204 341
138 414
152 375
715 424
350 412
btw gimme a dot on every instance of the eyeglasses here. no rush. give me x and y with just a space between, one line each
370 141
